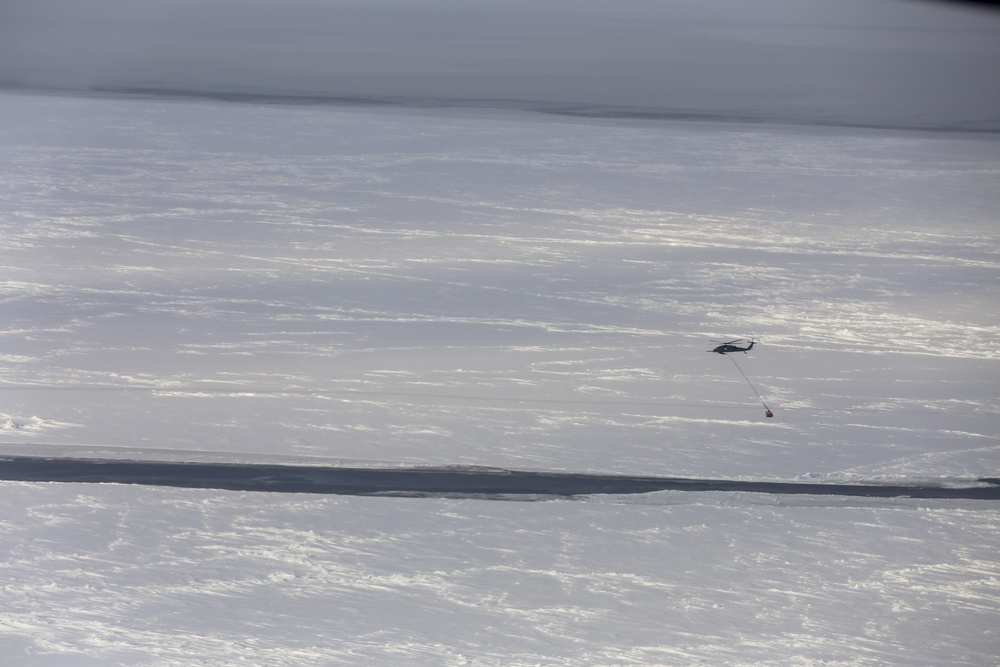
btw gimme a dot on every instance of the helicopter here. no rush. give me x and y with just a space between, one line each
726 348
730 346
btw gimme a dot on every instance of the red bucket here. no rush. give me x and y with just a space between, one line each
768 414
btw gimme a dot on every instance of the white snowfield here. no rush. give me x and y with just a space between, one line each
202 281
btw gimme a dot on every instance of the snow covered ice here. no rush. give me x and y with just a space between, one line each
202 281
163 576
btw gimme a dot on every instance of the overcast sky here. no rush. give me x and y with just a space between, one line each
902 59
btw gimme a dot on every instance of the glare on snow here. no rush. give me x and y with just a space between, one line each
341 295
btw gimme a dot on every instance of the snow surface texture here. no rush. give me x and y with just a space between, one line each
207 281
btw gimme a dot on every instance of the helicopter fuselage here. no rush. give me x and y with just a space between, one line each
727 348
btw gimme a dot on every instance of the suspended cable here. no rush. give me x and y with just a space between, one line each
767 412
